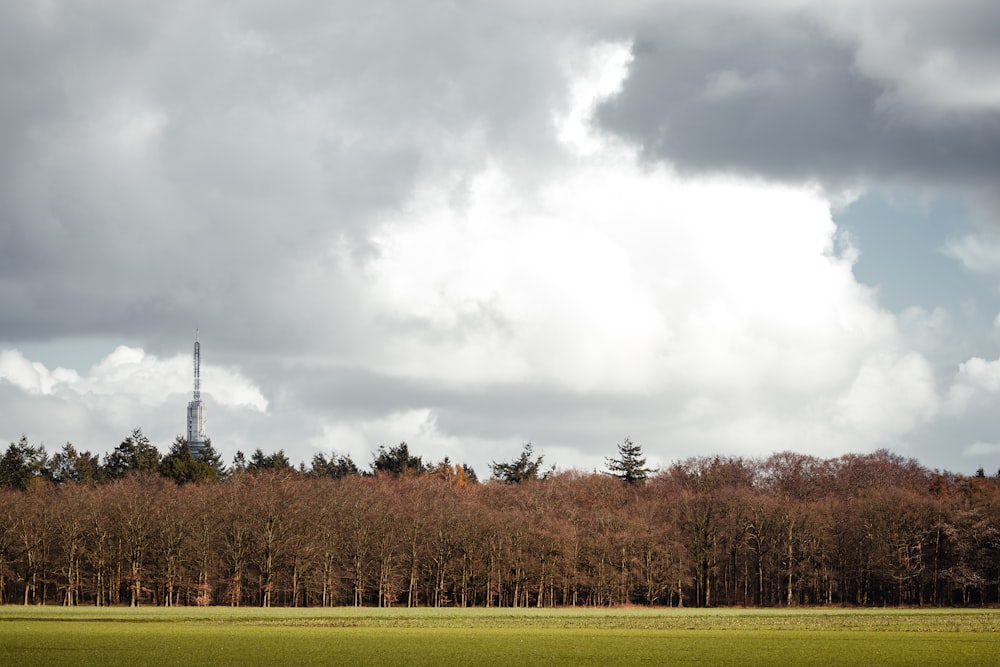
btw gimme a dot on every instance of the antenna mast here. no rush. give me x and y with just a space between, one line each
197 367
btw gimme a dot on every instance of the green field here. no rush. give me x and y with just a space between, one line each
223 636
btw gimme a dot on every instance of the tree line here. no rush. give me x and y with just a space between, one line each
791 529
23 464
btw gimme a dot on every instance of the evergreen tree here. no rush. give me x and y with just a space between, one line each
213 459
134 454
183 467
69 465
397 461
21 463
521 469
470 473
239 462
260 461
336 467
630 466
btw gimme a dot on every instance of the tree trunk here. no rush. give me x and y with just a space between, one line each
791 562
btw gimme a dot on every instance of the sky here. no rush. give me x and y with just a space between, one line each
713 228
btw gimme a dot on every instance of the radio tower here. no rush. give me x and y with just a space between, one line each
196 412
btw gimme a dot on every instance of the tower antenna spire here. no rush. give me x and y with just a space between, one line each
197 367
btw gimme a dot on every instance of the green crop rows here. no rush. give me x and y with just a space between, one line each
223 636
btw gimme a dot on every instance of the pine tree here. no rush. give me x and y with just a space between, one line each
21 463
213 460
630 467
135 454
336 467
521 469
397 462
184 467
259 461
69 465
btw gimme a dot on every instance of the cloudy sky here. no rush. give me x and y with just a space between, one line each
711 226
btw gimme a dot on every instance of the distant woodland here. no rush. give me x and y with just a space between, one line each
141 528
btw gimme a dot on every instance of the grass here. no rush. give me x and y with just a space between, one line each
222 636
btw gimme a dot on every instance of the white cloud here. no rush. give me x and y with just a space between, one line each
126 388
153 381
725 297
418 428
981 374
32 376
599 77
889 396
982 449
925 330
980 254
976 379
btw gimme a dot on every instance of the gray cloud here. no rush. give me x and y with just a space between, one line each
184 167
796 96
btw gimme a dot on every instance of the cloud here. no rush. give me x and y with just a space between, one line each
32 377
888 397
192 149
599 78
981 374
360 439
127 388
469 226
981 449
152 380
845 93
925 330
976 379
729 83
978 253
929 59
724 301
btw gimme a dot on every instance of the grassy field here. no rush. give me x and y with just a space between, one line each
222 636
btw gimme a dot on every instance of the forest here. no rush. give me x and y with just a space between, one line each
787 530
